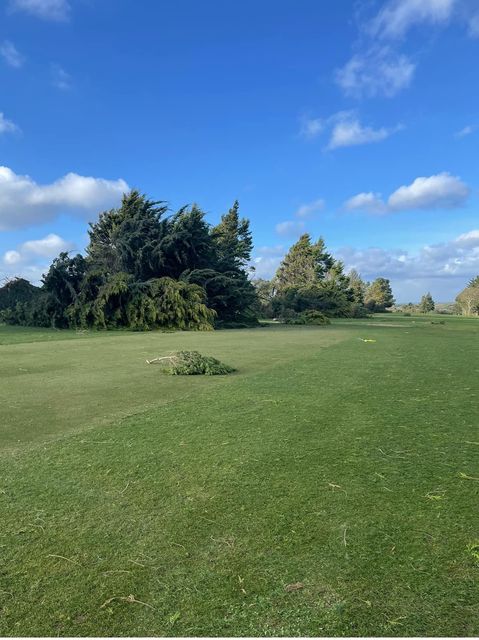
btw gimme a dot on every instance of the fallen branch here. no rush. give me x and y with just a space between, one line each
131 598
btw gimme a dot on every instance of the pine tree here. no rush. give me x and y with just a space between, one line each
233 241
357 286
305 264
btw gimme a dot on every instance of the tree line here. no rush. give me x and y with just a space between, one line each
309 279
144 269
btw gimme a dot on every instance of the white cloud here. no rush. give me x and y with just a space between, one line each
290 228
441 191
31 259
398 16
376 72
47 247
266 261
306 210
378 66
60 78
348 131
11 55
443 268
24 202
56 10
466 131
369 201
12 257
7 126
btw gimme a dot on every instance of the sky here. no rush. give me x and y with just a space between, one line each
354 120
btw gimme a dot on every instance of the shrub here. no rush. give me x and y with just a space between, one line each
311 316
315 317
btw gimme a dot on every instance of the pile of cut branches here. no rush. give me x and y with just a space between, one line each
192 363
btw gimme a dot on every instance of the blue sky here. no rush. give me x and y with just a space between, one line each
357 121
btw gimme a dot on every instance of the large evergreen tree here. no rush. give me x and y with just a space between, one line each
144 269
309 278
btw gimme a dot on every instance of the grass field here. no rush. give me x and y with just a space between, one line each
134 503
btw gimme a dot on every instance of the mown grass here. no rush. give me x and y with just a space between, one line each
324 460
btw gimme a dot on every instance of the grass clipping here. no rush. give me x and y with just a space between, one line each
192 363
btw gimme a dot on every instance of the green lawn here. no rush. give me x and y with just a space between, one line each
134 503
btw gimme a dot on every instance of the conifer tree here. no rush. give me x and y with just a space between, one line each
427 303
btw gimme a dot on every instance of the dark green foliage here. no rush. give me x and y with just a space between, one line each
144 270
232 241
17 290
309 278
192 363
157 303
230 294
307 317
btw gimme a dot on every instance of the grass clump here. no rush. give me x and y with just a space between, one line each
193 363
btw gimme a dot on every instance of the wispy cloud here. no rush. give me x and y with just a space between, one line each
55 10
379 71
308 209
11 55
379 67
473 26
466 131
441 191
290 228
60 78
397 17
311 127
345 130
348 131
7 126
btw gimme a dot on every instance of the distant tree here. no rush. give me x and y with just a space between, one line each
265 293
427 303
379 295
304 265
357 286
309 278
17 290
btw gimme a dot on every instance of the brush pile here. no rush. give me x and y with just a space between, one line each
192 363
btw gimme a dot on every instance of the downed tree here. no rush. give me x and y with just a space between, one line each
192 363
